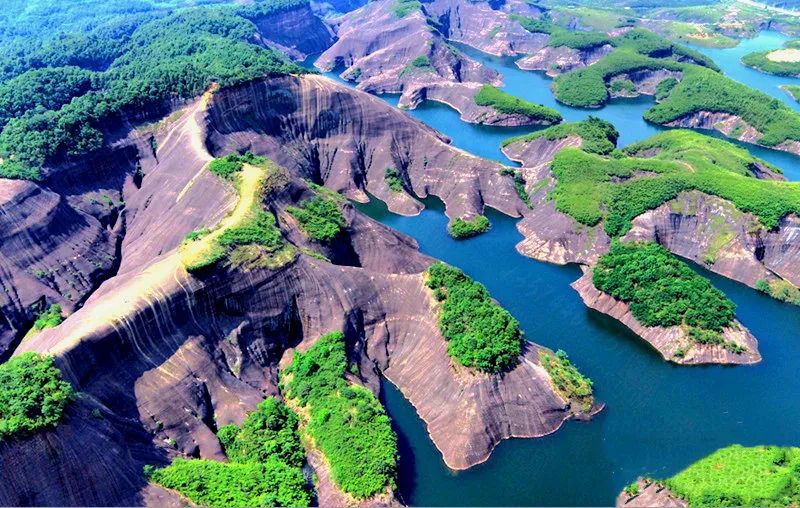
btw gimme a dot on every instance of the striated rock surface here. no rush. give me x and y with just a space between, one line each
645 81
487 26
461 97
384 53
167 357
551 235
730 125
347 140
673 343
297 32
712 232
562 59
651 495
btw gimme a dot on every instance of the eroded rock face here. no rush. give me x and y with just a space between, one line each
730 125
384 53
461 97
562 59
297 32
673 343
551 235
167 357
347 140
712 232
644 81
488 26
50 252
651 495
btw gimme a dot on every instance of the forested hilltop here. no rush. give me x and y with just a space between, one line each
67 69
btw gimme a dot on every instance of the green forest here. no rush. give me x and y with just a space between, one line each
347 422
663 291
33 395
480 334
264 468
69 73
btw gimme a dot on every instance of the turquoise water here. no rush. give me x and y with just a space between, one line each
659 417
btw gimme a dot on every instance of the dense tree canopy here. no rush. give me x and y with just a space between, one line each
77 66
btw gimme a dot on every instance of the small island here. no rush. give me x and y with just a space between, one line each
732 476
781 62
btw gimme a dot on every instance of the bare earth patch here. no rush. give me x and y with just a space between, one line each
784 55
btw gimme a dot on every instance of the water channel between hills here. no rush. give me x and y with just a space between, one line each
659 417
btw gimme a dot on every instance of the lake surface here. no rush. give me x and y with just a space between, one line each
659 417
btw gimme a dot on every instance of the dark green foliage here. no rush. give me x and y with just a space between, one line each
598 136
506 103
578 40
55 111
226 167
480 334
48 88
590 188
393 180
403 8
269 432
623 85
664 87
347 422
704 90
32 395
466 228
17 171
260 229
571 384
663 291
49 319
587 87
543 24
264 469
320 218
420 63
760 61
793 90
519 185
219 484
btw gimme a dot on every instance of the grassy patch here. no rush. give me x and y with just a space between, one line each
50 318
739 476
704 90
420 63
598 136
226 167
464 228
319 217
782 290
616 189
760 61
480 334
247 226
32 395
347 422
623 85
503 102
663 291
569 383
264 469
403 8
